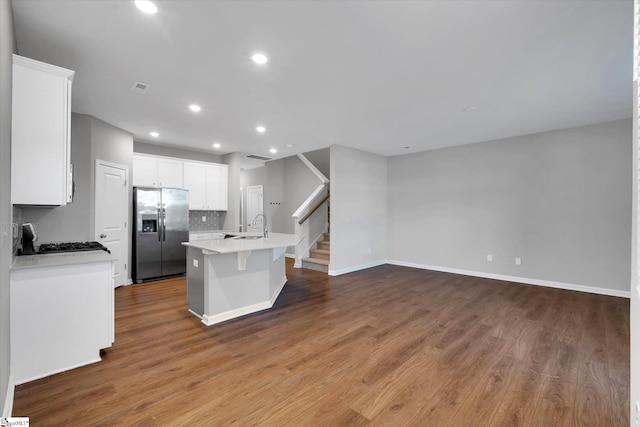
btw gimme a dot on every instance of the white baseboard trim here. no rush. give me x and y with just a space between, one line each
57 371
232 314
276 294
7 409
194 313
517 279
354 268
243 311
297 265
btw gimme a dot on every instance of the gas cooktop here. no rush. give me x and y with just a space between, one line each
49 248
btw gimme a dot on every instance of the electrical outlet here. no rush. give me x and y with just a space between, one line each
195 263
518 261
204 218
490 258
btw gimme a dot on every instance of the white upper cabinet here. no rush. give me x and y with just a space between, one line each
145 171
150 171
217 187
208 186
170 173
207 182
41 134
195 180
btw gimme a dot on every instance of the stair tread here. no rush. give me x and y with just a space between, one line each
316 261
320 251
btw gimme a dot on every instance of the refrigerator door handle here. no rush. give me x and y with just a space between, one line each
164 227
160 225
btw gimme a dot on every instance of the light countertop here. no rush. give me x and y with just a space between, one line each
226 246
60 259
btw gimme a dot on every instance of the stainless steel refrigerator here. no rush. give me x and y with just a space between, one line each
161 218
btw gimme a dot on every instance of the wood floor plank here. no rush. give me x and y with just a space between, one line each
389 346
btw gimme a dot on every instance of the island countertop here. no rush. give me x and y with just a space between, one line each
244 242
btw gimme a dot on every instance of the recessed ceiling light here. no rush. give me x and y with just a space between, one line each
154 134
259 58
273 151
261 129
216 145
146 6
195 108
469 108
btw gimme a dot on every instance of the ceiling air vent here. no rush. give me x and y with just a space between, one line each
139 87
257 157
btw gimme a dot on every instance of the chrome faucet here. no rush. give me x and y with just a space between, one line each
255 222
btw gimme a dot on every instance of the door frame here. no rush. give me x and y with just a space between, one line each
126 247
249 221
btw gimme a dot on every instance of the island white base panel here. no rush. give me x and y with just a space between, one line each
230 293
243 311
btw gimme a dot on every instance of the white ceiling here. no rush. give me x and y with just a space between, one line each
373 75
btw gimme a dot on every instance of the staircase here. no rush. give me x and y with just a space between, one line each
318 255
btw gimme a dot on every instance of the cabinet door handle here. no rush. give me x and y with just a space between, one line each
103 236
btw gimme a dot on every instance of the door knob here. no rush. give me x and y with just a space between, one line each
102 236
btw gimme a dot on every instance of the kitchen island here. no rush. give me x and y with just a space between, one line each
233 277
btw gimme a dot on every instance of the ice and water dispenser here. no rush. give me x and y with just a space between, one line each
149 223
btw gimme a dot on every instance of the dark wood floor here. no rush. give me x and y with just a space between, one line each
385 346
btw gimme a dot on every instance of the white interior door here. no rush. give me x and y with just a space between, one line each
254 207
111 213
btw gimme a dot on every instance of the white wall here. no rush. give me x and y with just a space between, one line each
358 209
7 48
559 200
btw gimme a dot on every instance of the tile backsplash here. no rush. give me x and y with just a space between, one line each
206 220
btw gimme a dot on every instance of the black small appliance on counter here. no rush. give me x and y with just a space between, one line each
28 237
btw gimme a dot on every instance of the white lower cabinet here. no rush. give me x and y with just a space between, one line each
61 317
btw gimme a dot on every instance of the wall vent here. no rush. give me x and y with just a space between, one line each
139 87
258 157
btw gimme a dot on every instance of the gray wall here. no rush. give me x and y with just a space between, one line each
321 159
232 219
358 209
559 200
73 221
635 284
287 183
7 48
299 183
91 140
159 150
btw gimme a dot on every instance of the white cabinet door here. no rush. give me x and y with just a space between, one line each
40 134
217 189
170 173
195 181
145 171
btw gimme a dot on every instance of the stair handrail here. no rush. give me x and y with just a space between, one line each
305 206
315 208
